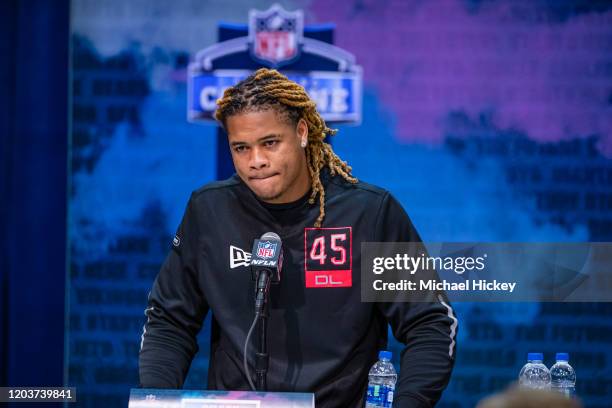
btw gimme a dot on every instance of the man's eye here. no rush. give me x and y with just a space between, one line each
270 143
239 149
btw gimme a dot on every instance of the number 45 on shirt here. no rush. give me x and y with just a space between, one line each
328 257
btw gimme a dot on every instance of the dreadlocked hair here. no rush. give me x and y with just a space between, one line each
268 89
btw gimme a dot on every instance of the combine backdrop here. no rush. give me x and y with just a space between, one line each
489 120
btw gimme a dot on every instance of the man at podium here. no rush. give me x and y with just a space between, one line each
321 337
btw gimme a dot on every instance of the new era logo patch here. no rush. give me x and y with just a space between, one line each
239 257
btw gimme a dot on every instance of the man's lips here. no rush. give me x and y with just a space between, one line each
262 177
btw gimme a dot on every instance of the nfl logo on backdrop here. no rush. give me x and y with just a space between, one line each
266 249
275 35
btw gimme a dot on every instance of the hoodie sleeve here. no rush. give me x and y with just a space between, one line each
427 329
175 311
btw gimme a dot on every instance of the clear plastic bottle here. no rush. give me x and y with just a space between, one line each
534 374
563 376
381 382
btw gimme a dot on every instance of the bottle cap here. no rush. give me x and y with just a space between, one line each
535 356
562 357
385 355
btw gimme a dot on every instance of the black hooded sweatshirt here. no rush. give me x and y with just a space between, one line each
321 337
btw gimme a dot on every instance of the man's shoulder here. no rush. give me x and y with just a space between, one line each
216 188
361 187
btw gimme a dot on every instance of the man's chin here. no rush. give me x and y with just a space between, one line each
269 199
267 196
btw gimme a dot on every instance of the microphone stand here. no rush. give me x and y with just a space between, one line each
262 357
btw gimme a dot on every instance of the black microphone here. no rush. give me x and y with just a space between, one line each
266 266
267 255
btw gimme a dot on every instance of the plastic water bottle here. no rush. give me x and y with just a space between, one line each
534 374
381 382
563 376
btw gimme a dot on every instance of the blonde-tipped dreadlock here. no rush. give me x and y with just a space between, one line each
269 89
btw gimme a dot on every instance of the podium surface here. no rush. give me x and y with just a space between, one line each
161 398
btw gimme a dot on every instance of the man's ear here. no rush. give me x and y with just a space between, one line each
302 132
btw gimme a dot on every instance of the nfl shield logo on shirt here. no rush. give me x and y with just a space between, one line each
266 249
275 35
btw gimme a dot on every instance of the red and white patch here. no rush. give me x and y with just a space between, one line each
328 257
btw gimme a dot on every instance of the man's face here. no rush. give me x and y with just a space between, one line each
268 155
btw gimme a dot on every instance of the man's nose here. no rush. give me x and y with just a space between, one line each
258 159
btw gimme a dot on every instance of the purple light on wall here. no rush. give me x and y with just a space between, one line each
510 61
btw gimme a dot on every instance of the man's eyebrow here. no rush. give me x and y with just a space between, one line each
261 139
268 137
